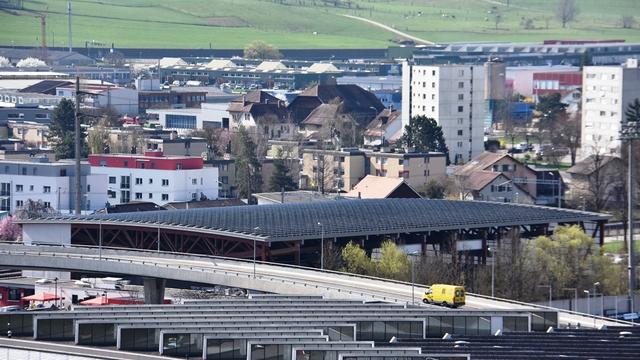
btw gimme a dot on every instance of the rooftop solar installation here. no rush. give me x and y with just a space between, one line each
299 221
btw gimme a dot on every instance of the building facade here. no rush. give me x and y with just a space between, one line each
606 93
50 182
343 169
156 178
453 95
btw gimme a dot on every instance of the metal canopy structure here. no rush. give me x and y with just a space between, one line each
339 219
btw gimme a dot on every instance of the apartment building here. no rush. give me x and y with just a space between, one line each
155 177
453 95
606 93
50 182
343 169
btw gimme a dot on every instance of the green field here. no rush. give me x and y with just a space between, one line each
307 23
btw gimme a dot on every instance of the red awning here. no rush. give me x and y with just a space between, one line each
100 300
103 300
42 297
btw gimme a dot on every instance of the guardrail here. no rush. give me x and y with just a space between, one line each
156 253
323 285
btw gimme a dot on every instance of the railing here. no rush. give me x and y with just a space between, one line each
249 274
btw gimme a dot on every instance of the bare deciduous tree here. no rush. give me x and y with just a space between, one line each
566 11
567 134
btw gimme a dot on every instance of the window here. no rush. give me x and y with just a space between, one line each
178 166
125 196
165 182
138 181
112 179
461 85
459 132
19 188
603 113
150 196
125 182
150 181
194 196
433 96
505 167
30 187
111 194
24 171
460 96
433 72
165 197
183 121
460 72
400 161
460 109
194 181
433 85
433 109
88 187
19 203
47 204
138 196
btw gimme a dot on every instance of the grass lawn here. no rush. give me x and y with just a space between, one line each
617 247
306 23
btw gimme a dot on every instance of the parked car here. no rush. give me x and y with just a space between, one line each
10 308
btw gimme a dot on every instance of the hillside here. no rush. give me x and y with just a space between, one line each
308 23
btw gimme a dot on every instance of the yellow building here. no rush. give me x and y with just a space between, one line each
343 169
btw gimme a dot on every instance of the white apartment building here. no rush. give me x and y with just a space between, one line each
155 178
453 95
607 91
53 183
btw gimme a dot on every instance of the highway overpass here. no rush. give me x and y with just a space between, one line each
267 277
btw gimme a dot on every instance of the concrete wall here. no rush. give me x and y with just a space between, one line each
54 234
594 306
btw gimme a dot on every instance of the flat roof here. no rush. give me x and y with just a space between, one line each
340 218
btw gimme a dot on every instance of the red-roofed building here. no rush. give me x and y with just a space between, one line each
155 177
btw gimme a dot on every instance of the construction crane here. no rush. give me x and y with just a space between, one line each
43 36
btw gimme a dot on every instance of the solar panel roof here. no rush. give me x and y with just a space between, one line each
281 222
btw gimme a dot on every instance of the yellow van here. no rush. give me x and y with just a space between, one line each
442 294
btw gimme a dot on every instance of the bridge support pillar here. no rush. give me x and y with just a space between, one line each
154 290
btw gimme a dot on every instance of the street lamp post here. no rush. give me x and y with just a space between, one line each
550 292
493 270
413 278
588 301
321 245
630 131
576 297
254 252
55 298
595 293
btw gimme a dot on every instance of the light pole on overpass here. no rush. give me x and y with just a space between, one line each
257 228
493 270
550 292
413 277
321 245
629 132
575 291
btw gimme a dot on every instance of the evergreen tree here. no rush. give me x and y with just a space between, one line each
61 131
281 179
425 135
248 176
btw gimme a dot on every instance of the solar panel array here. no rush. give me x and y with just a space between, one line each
611 343
225 329
346 217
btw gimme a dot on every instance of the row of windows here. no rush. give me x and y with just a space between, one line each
125 196
45 189
125 181
602 76
174 121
